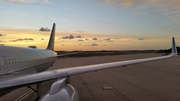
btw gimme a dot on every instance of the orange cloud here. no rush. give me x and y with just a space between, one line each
27 38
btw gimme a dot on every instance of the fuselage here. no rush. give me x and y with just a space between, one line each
16 60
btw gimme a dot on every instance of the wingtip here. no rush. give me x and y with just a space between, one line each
174 50
54 24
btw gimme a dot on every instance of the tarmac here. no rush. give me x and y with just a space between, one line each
151 81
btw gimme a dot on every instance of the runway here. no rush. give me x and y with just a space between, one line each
152 81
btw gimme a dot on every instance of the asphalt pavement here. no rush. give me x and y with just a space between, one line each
151 81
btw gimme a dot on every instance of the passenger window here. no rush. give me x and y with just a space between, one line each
12 61
5 62
9 61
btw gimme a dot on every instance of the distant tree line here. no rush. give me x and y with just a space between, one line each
114 52
169 50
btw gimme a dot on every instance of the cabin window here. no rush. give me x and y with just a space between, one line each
9 61
5 62
12 61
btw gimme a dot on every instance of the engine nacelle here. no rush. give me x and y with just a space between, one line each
60 91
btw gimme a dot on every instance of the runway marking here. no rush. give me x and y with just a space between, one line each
114 90
150 92
107 87
22 97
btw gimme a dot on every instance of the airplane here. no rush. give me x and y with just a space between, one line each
21 67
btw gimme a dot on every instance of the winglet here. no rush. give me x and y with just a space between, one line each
51 39
174 50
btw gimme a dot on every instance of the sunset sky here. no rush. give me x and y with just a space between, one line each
91 24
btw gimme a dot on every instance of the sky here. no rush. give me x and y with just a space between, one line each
91 24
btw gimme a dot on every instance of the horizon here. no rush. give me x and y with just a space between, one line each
90 25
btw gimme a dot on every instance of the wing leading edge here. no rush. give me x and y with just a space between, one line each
61 73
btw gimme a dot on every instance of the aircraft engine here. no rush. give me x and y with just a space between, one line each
60 91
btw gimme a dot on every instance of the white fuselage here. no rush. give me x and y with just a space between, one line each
17 60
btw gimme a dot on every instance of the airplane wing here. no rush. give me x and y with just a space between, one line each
62 73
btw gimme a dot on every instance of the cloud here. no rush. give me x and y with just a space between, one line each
107 39
94 39
170 8
44 29
80 40
71 37
2 42
99 21
78 36
68 9
25 39
126 3
12 40
94 44
28 39
109 23
140 38
68 37
29 1
1 34
65 37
